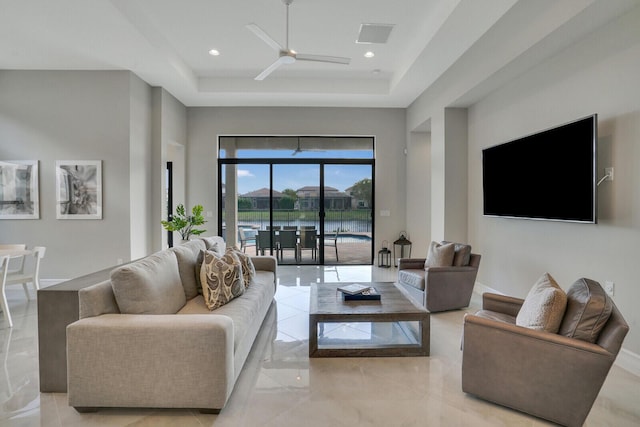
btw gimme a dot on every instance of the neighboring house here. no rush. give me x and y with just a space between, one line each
309 198
356 203
260 198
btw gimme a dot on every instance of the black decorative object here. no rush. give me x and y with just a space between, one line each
401 244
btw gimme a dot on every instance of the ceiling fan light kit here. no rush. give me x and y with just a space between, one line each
288 56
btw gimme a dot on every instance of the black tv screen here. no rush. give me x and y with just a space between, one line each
550 175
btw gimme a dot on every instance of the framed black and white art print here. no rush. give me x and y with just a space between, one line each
78 189
19 196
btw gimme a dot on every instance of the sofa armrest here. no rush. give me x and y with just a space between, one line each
126 360
501 303
97 299
266 263
533 337
411 263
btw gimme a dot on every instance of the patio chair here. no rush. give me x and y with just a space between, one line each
288 239
308 241
266 241
331 240
290 227
247 240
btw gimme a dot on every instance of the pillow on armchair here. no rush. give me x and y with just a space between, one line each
588 310
440 255
544 306
462 254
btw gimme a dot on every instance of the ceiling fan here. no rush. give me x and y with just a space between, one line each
286 55
300 150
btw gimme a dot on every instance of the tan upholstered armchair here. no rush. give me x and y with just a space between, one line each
548 375
439 288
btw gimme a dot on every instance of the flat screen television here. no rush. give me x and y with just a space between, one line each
550 175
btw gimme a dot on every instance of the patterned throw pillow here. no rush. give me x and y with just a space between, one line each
248 269
440 255
544 306
221 279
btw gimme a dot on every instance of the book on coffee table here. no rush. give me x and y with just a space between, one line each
353 289
370 294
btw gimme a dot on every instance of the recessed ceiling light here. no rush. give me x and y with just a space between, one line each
214 52
376 71
369 54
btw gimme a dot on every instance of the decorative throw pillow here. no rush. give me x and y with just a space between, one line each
187 256
462 254
149 286
588 310
544 306
221 279
440 255
215 244
248 269
198 270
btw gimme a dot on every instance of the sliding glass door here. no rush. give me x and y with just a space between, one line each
348 223
298 200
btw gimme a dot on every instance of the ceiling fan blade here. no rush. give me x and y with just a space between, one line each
323 58
265 37
271 68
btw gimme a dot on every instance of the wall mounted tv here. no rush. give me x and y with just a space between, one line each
550 175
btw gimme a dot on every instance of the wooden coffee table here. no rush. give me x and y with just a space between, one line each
393 326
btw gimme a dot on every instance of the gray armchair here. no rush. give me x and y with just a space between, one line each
439 288
552 376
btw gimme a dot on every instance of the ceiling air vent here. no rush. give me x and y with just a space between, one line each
374 33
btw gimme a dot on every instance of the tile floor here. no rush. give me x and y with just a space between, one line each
281 386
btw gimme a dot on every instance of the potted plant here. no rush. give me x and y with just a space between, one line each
184 224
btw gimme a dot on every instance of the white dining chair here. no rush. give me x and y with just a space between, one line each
16 263
19 277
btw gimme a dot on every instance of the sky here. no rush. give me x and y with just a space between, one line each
254 177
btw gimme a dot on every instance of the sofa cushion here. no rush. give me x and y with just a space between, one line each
462 254
588 310
440 255
151 285
248 270
221 279
187 256
214 243
412 277
544 306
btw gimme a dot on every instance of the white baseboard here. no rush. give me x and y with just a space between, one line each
627 360
479 288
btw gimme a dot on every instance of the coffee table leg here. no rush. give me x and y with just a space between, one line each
313 335
425 331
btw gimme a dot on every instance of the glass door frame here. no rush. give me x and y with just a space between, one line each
309 161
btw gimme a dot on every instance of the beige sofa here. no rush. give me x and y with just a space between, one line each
190 358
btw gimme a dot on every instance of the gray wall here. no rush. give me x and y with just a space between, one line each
387 125
598 75
418 189
64 115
